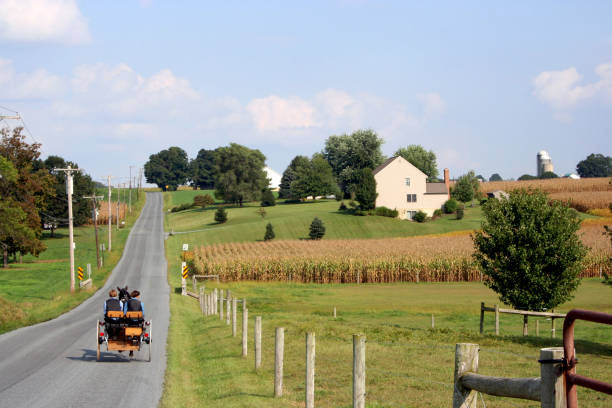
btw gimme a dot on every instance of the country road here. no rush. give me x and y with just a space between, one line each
53 364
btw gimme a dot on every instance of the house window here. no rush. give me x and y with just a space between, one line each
408 181
411 198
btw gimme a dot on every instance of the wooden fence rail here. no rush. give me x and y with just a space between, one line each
525 313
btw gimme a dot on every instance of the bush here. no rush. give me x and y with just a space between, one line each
267 199
317 229
220 215
450 206
530 250
420 216
460 212
360 212
203 200
269 235
386 212
353 204
483 201
437 213
181 207
342 207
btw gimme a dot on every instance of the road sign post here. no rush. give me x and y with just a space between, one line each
184 274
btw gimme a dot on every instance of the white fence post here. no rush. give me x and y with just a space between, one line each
279 350
552 392
466 360
257 342
234 304
359 371
228 315
310 369
245 326
221 304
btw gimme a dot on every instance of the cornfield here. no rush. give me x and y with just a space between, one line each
436 258
103 212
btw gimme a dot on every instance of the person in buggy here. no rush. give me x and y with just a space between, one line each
131 308
112 304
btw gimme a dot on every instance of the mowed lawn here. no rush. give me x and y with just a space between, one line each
409 363
39 288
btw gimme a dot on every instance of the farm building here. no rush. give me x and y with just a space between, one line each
403 187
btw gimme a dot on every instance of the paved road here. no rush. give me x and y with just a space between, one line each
53 364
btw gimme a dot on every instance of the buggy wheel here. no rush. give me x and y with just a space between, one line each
150 341
98 341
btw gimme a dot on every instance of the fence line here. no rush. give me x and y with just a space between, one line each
525 313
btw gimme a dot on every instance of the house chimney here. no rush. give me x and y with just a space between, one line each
447 181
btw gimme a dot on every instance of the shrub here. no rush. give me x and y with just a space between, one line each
437 213
220 215
450 206
530 250
353 204
420 216
181 207
360 212
386 212
203 200
267 199
460 212
342 207
269 235
483 201
317 229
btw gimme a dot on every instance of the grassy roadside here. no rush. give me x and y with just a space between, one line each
409 364
39 288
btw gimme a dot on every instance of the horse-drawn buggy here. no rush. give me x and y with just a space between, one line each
124 331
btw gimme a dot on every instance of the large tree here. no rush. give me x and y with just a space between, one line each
57 208
314 179
202 170
365 189
289 175
168 168
349 153
595 165
421 159
530 249
29 190
466 188
495 177
240 174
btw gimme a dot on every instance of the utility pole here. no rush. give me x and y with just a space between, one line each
130 204
110 218
118 203
68 171
95 220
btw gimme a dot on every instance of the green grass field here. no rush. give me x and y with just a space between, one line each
409 364
39 288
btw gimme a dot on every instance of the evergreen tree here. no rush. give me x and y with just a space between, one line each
290 174
267 198
365 189
269 235
220 215
317 229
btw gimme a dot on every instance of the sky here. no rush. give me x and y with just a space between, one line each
485 85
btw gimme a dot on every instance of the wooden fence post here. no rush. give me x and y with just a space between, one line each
201 299
482 312
245 325
310 369
334 312
466 360
433 322
537 327
359 371
552 327
214 302
552 391
234 304
257 342
193 283
229 310
279 350
244 303
221 304
525 321
496 320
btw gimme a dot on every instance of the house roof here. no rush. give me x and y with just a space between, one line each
392 159
435 188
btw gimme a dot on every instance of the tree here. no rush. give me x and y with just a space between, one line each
421 159
365 189
466 188
527 177
450 206
495 177
595 165
202 170
317 229
269 235
57 207
289 175
267 198
168 168
314 179
221 215
347 154
203 200
530 250
240 174
29 190
548 175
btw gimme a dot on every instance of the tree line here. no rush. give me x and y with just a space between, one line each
33 196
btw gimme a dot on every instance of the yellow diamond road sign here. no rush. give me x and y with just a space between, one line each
80 273
185 272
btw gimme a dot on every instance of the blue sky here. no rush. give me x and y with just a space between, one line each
485 85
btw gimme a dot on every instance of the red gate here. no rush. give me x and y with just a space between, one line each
571 378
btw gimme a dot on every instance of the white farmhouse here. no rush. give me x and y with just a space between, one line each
403 187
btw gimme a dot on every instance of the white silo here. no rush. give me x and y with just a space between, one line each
544 163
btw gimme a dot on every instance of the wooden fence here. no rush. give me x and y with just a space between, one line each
525 313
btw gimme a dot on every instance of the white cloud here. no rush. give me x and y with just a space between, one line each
43 20
432 103
274 113
36 84
563 91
